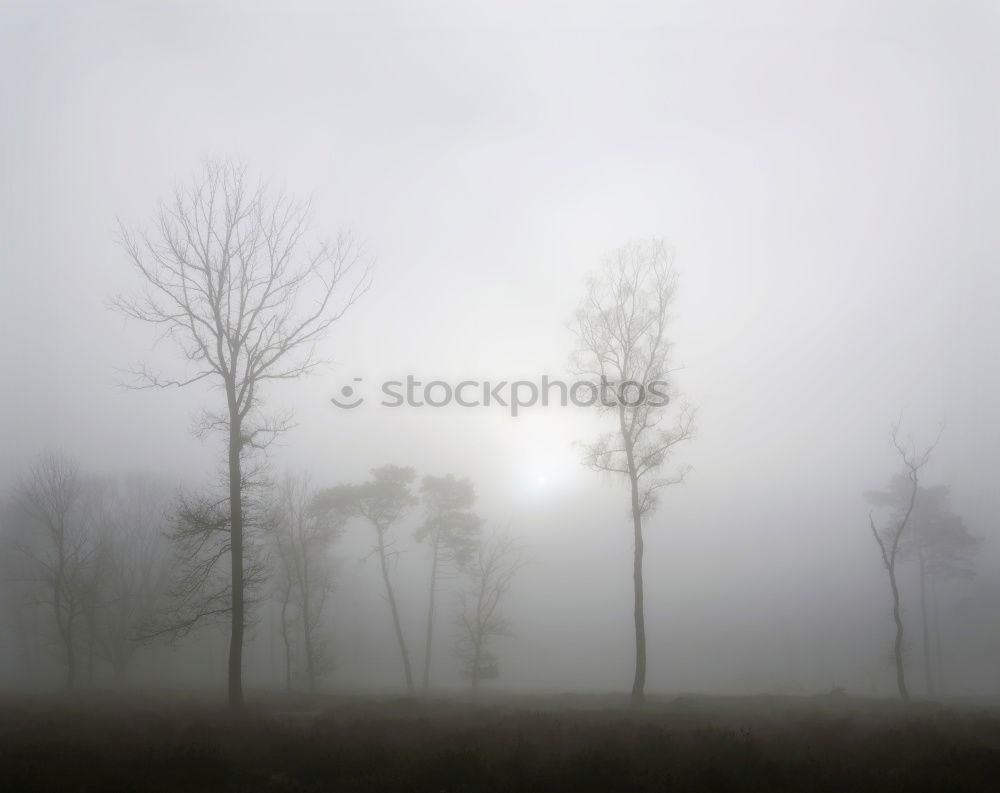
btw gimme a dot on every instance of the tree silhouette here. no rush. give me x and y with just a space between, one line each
382 501
228 280
622 345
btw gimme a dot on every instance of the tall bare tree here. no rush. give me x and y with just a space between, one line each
383 501
496 561
61 552
301 537
451 531
889 538
228 280
622 345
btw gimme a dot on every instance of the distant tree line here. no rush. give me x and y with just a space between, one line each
99 567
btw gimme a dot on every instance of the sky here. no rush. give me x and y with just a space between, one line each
826 176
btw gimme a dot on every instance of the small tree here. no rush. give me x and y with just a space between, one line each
133 568
622 344
227 279
22 590
301 537
890 537
943 548
60 548
383 501
451 531
496 561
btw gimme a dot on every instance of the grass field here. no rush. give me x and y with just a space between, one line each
523 744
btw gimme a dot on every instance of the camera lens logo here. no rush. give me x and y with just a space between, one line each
347 392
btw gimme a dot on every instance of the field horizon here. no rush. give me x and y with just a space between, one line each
451 743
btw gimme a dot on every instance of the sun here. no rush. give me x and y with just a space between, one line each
537 455
539 480
545 458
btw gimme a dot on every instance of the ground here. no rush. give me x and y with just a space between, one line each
176 743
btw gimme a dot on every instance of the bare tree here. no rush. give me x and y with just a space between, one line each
59 555
133 568
301 537
92 582
497 559
382 501
227 279
23 591
889 538
942 547
200 531
452 533
622 345
283 589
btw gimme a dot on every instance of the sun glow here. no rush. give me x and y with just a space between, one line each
543 455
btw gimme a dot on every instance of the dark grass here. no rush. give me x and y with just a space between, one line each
525 744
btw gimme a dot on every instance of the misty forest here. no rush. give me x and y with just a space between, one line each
497 397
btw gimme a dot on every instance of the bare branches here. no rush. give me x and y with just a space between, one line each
914 460
228 280
622 322
51 496
200 590
498 559
621 343
300 536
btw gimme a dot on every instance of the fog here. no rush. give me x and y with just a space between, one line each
825 180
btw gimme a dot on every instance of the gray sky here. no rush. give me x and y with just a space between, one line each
828 179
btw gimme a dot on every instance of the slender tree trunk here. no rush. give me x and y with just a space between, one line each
430 614
898 644
477 655
476 661
924 628
395 612
307 630
69 637
287 641
70 656
890 561
64 621
90 649
271 654
65 626
639 681
936 622
236 558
